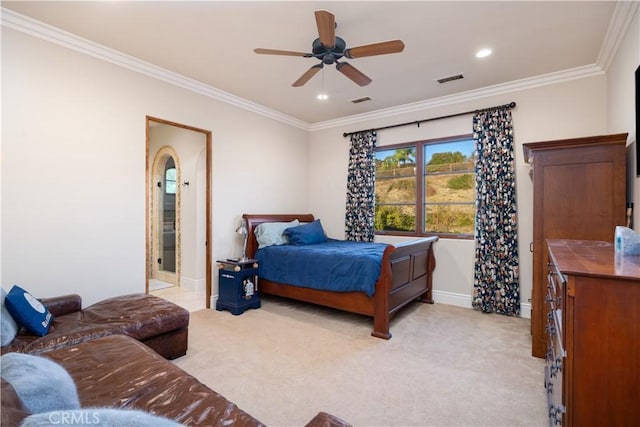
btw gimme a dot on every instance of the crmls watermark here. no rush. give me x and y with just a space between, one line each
84 418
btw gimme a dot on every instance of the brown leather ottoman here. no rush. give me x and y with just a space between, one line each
152 320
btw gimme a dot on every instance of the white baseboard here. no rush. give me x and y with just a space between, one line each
443 297
463 300
192 284
525 310
451 298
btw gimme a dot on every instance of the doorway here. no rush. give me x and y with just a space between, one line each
178 214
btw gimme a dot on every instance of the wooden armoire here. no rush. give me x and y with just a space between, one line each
579 192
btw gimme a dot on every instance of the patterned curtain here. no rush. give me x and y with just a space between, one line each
361 179
496 285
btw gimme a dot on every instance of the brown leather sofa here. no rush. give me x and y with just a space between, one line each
154 321
119 372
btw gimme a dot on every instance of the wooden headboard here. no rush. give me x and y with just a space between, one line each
253 220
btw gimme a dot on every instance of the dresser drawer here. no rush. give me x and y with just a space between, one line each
556 282
553 374
555 356
556 409
556 332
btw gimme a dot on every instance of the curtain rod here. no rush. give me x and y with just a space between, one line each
417 122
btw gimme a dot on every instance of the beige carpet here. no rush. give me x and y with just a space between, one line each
444 366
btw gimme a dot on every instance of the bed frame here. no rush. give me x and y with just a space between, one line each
406 276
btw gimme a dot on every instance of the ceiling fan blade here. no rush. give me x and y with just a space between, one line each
382 48
307 75
326 23
353 73
281 52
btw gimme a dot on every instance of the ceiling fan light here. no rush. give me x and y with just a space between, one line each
483 53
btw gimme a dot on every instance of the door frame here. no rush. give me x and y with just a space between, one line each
207 244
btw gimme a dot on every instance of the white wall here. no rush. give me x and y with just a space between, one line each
564 110
621 105
73 168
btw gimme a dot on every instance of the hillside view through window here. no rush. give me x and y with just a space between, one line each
426 188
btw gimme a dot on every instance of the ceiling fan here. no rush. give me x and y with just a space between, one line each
329 48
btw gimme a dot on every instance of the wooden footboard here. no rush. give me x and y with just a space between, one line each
406 275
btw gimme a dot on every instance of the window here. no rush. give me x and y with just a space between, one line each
170 177
426 188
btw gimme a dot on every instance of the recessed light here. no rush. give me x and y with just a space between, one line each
322 96
483 53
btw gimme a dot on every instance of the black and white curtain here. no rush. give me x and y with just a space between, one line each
496 284
360 215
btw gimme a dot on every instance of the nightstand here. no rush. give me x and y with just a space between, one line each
237 285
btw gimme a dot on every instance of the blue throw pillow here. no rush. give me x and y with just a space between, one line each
28 311
96 417
9 327
306 234
41 383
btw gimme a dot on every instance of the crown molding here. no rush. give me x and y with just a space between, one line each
68 40
472 95
623 14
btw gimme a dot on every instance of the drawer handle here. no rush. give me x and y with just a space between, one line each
556 367
551 329
549 355
555 414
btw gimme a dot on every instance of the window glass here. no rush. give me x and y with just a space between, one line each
395 202
170 178
426 188
449 185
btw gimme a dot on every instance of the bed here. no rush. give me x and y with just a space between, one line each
405 275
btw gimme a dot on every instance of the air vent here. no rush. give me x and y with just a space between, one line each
450 78
359 100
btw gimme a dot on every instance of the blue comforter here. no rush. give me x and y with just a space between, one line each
335 265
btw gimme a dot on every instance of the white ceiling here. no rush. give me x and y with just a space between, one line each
212 42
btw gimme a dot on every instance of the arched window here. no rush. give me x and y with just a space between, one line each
170 177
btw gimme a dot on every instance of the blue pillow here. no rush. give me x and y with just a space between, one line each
96 417
306 234
28 311
9 327
41 383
